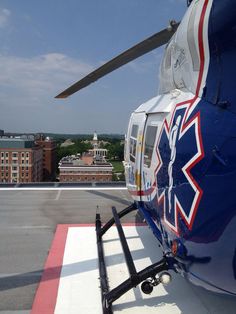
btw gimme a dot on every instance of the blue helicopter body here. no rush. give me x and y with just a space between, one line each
186 190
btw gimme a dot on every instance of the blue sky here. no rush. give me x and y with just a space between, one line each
47 45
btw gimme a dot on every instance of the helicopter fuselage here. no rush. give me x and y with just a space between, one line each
180 157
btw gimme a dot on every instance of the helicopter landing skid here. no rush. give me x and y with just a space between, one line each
108 297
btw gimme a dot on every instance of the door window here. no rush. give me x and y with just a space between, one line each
149 144
133 142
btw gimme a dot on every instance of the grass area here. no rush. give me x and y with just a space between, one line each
118 166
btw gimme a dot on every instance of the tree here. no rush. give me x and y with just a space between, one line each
115 151
78 148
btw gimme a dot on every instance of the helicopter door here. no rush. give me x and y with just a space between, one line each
133 151
149 157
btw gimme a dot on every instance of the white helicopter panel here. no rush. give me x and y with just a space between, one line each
180 66
156 104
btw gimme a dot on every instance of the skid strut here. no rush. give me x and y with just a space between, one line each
108 297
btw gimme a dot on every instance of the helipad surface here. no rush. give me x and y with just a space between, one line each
70 283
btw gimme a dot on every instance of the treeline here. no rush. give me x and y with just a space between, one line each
104 137
78 147
114 146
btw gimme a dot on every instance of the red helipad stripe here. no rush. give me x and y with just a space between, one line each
46 295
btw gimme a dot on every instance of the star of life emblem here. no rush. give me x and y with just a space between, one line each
179 150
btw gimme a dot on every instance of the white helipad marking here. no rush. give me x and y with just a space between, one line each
63 189
79 290
79 284
58 195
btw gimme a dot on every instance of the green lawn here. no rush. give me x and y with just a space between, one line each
118 166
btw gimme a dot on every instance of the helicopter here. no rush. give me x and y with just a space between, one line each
180 152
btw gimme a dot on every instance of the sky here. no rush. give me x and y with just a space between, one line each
48 45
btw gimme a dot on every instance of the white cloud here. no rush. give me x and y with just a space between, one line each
34 79
4 17
28 87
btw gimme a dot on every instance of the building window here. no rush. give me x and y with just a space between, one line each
14 168
14 155
2 155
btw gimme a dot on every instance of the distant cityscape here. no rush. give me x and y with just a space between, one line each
27 158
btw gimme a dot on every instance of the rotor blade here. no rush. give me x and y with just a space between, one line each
131 54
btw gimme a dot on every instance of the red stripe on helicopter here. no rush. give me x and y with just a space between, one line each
184 126
143 193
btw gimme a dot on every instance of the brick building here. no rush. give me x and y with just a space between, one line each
49 157
75 169
21 160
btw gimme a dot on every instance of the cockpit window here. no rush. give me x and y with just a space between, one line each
149 144
133 142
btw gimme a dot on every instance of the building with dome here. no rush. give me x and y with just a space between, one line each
97 152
